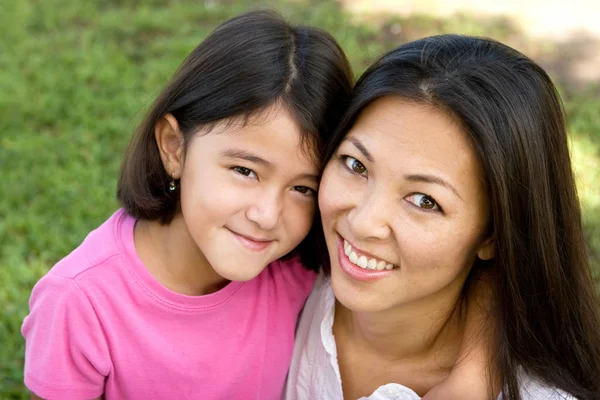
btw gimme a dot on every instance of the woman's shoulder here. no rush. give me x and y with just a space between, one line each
532 388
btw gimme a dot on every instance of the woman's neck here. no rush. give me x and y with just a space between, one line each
414 344
172 257
410 331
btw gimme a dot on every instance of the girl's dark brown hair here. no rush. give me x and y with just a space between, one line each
242 68
547 309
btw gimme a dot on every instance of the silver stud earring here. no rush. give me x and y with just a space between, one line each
172 185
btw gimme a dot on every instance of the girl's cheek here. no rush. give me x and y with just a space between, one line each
302 213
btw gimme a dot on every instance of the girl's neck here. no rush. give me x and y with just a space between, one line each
172 257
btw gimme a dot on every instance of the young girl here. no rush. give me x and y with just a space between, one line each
170 297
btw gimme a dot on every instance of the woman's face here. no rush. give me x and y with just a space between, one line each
404 209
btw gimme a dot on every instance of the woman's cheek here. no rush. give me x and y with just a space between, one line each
330 194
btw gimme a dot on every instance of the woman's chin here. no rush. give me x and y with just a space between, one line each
356 299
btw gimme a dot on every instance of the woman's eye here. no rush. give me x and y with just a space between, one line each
354 165
423 201
244 171
304 190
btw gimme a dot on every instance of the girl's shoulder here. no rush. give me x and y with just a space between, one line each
100 246
292 277
293 267
91 268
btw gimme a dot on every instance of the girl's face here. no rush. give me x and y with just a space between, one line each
404 208
248 193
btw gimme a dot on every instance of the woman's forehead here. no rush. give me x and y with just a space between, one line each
408 137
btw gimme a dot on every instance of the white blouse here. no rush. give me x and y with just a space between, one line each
315 374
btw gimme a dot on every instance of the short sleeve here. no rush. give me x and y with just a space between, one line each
66 354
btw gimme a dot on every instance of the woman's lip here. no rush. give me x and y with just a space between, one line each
360 251
250 243
354 271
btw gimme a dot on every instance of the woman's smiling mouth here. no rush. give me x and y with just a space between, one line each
360 265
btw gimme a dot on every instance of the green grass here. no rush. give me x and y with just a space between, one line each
76 77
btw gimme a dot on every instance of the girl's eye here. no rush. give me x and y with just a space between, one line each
354 165
304 190
423 201
245 171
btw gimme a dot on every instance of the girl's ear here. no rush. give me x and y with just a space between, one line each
169 140
487 249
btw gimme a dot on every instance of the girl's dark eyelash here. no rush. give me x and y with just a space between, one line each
310 192
238 169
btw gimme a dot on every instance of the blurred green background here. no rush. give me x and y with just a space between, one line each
76 77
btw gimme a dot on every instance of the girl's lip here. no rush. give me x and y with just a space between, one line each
354 271
250 243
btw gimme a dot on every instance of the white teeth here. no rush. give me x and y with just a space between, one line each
372 264
362 262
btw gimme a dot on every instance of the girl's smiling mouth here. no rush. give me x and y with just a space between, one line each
251 243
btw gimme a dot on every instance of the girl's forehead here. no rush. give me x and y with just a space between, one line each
276 125
274 141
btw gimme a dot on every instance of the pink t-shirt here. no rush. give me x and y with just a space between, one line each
99 323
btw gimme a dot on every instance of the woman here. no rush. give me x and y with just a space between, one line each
452 160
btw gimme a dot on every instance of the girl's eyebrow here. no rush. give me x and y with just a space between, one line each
246 155
312 177
358 144
240 154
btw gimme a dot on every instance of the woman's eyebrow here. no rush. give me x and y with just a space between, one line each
358 144
432 179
